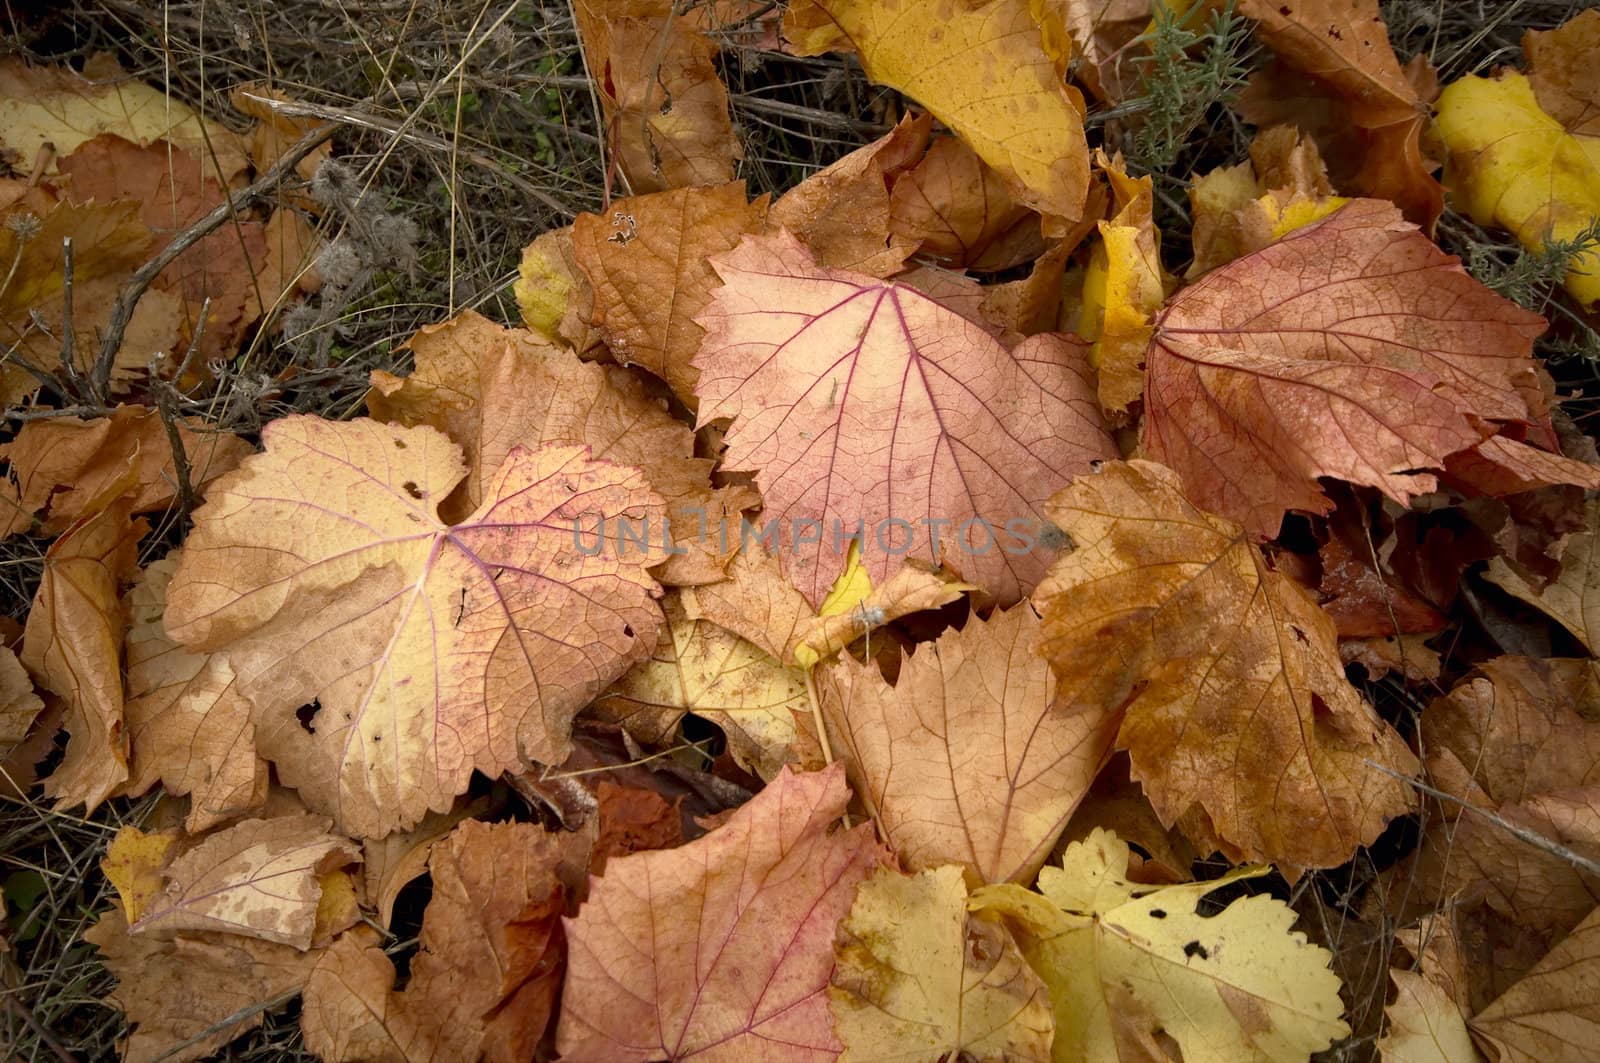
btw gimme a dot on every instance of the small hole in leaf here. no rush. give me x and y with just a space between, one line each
412 489
1298 634
627 629
1194 948
399 444
306 713
1158 913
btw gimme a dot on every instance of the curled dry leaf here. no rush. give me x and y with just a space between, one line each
72 644
485 980
1524 152
188 725
720 949
983 71
19 704
260 878
970 758
1367 112
322 569
647 263
956 210
1352 348
701 668
1425 1026
1127 964
893 414
390 863
1554 1011
666 110
553 296
186 987
1235 697
61 465
844 212
918 977
1573 598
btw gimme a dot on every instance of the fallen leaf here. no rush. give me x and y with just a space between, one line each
187 987
723 947
982 70
1554 1011
259 878
1524 152
61 465
1123 288
634 820
483 984
1274 370
492 388
1425 1026
188 725
893 410
954 209
553 296
390 863
1379 110
275 130
72 645
1127 963
666 110
19 704
648 264
1094 39
1500 466
701 668
1159 855
969 758
1235 697
134 864
320 568
918 977
1573 598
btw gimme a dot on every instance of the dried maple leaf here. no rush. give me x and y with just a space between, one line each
1573 598
322 570
390 863
1425 1026
492 388
1335 54
843 212
666 110
701 668
1128 963
955 209
918 977
72 644
633 820
197 990
861 401
1524 152
648 264
260 878
982 70
1235 697
188 725
969 758
553 296
720 949
485 980
1554 1011
1352 348
60 465
19 704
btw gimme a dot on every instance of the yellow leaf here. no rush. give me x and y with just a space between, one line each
133 864
1425 1025
983 71
918 977
1511 164
1125 962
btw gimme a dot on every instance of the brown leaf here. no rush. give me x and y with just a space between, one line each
894 409
1275 369
1561 71
957 211
970 757
666 110
1094 38
721 948
260 878
1502 466
1554 1012
634 820
390 863
62 464
1573 599
648 263
1236 700
19 704
1339 50
73 644
188 725
178 988
843 212
322 568
483 984
553 295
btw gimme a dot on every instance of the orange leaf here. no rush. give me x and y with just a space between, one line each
859 400
720 949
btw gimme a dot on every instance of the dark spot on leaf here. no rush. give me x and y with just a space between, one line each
306 713
1158 913
1298 634
399 444
627 629
1194 948
412 489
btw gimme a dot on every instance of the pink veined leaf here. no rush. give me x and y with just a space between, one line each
862 402
720 949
